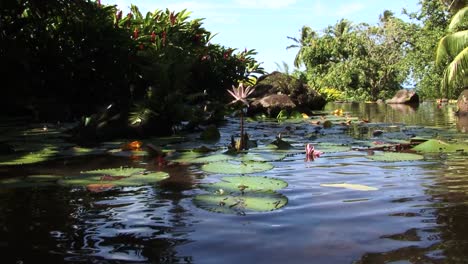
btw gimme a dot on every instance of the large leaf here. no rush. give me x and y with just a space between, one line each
242 204
242 194
236 167
116 176
29 158
394 156
435 145
245 184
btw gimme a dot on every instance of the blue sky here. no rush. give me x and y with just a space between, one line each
264 25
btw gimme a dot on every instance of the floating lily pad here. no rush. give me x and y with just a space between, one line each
357 187
117 177
434 145
127 153
43 178
28 158
18 182
328 148
212 158
395 156
242 204
242 194
262 156
245 184
236 167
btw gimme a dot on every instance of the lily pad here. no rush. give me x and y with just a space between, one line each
242 194
236 167
434 145
18 182
29 158
395 156
245 184
262 156
357 187
116 177
328 148
242 204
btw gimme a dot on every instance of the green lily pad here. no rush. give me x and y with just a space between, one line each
245 184
18 182
395 156
242 194
43 178
236 167
127 153
212 158
357 187
328 148
29 158
242 204
434 145
262 156
117 177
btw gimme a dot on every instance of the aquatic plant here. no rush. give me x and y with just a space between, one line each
240 95
311 152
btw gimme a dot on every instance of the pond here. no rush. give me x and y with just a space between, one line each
345 206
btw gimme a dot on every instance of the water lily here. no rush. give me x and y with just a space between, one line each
311 152
241 93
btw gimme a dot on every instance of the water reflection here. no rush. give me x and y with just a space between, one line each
417 215
462 123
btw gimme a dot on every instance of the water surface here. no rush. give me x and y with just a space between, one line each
417 215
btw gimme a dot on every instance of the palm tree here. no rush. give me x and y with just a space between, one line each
306 39
453 48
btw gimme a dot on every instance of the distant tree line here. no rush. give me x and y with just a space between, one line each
348 61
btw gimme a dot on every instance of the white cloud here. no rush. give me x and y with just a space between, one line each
349 8
265 3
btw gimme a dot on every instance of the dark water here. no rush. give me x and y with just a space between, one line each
419 214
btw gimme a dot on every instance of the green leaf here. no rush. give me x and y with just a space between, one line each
236 167
435 145
115 176
242 204
394 156
245 184
29 158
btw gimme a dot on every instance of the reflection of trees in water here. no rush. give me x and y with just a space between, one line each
462 123
447 240
134 224
426 113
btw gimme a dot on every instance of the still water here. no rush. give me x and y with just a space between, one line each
417 214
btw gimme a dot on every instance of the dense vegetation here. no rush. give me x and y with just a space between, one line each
350 61
80 60
65 59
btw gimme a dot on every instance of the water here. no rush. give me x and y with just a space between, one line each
417 215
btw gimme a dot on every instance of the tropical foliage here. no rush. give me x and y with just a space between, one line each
349 61
453 48
82 57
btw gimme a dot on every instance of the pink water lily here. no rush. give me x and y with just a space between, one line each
241 93
311 153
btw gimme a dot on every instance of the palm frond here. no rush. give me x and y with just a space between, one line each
456 72
458 18
451 45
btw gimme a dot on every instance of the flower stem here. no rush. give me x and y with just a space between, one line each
241 141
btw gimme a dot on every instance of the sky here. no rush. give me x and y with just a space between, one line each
264 25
